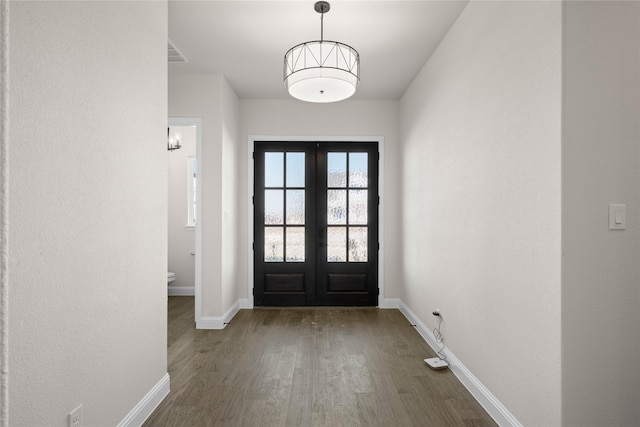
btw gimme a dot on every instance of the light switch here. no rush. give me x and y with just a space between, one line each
617 217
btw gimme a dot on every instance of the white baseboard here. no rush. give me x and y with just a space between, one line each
245 303
489 402
181 291
148 404
218 322
389 303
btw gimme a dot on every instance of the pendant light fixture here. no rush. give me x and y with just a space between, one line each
321 70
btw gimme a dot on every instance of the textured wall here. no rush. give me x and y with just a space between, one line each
4 214
480 128
87 209
601 165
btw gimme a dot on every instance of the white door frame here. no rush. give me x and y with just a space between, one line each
197 122
251 142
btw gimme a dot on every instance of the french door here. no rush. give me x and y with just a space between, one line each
315 223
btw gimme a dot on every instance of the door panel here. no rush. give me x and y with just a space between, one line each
284 224
315 223
347 205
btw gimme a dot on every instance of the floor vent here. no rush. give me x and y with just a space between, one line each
174 55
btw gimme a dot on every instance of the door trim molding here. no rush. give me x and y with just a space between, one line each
250 238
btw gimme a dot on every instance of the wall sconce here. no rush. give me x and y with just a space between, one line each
173 143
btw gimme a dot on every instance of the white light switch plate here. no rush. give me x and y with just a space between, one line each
617 217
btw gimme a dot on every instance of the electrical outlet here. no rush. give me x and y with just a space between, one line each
75 417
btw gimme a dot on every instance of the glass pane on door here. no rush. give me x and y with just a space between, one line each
273 244
358 207
284 205
295 244
336 207
358 170
337 170
295 207
274 163
273 207
347 204
295 170
358 244
337 244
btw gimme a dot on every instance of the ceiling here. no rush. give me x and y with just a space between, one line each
246 40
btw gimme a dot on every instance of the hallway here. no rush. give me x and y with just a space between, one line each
307 367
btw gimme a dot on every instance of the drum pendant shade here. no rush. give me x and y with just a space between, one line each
321 70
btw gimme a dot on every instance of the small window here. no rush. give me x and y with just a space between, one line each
191 192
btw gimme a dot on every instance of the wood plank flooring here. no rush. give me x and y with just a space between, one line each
307 367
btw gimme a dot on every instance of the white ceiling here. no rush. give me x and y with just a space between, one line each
246 40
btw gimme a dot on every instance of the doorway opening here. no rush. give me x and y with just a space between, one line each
185 207
316 223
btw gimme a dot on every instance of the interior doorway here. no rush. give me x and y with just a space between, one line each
315 223
186 242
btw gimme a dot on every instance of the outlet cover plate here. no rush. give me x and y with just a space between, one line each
75 417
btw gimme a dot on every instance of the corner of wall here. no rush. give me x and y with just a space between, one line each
231 147
218 322
4 218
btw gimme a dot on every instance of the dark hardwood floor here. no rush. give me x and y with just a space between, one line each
307 367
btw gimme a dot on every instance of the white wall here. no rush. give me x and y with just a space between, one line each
480 128
209 97
4 214
601 165
199 96
87 209
347 118
182 239
230 195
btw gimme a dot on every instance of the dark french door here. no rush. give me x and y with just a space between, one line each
315 223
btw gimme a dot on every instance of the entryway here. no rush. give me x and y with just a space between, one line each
315 223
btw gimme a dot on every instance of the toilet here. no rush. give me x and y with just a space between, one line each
170 277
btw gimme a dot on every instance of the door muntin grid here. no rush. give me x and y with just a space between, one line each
284 219
347 207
